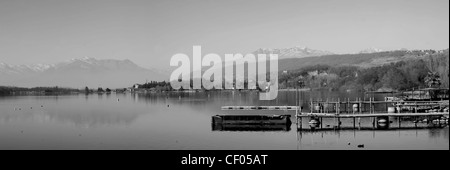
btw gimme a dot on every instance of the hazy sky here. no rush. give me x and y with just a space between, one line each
149 32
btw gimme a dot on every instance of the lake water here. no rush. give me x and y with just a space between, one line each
183 121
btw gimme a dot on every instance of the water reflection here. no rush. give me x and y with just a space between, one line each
90 113
255 128
85 120
183 121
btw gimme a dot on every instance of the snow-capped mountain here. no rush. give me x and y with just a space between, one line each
18 69
85 63
78 73
92 64
371 50
294 52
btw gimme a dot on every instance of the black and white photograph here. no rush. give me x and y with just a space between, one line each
245 75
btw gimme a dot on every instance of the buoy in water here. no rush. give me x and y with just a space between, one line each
382 121
314 121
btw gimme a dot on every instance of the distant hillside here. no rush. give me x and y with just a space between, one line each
387 71
361 60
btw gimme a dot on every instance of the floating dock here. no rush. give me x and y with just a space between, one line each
251 119
273 108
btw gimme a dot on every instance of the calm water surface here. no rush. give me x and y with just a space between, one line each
183 121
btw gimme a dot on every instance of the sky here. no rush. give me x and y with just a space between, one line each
151 32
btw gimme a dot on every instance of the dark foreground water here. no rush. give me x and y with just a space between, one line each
183 121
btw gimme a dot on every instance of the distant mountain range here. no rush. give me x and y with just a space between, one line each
371 50
78 73
294 52
304 52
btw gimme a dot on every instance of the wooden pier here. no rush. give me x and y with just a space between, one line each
357 109
325 115
361 106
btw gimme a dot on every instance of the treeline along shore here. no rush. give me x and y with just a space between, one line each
389 72
5 90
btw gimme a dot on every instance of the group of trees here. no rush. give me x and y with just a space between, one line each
107 90
439 64
157 86
6 90
56 89
99 90
395 76
319 76
154 84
